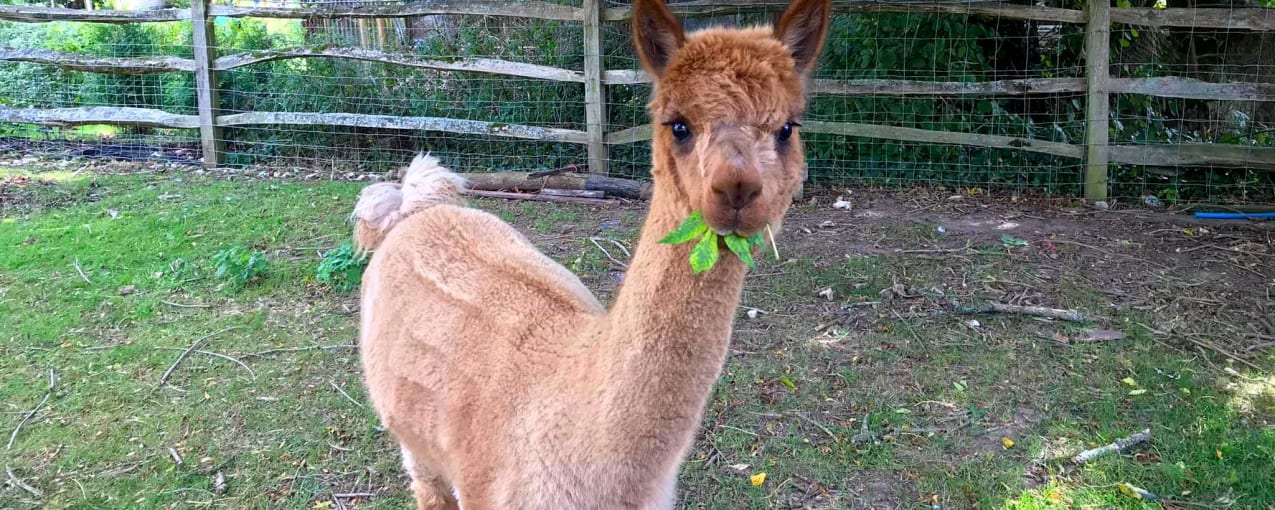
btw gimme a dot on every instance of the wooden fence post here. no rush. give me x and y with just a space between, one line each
205 48
1097 100
595 113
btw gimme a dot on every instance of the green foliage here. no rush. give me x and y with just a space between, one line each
907 46
342 267
692 228
704 254
239 265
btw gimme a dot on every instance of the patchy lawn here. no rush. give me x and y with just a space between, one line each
852 382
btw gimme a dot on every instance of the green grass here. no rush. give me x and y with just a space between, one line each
800 381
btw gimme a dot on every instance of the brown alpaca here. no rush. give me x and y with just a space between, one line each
504 380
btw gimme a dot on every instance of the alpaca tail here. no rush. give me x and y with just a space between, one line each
383 205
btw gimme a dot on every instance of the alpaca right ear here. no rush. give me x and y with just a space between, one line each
803 29
657 35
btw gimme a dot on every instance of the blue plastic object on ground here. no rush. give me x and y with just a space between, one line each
1212 215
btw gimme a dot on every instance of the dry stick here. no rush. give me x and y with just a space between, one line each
1190 337
172 452
539 198
620 246
825 430
53 381
228 358
180 305
864 434
18 481
81 271
168 373
1119 445
608 254
299 349
348 495
1108 252
344 394
1036 311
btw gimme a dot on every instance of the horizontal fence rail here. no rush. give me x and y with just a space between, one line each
1095 84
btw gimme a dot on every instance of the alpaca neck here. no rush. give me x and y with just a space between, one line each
668 334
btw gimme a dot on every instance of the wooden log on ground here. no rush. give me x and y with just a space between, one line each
522 181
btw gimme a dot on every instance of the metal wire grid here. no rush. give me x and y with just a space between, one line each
901 46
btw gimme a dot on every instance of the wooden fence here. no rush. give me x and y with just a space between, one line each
1098 85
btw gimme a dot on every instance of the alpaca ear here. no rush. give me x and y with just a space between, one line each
657 35
803 29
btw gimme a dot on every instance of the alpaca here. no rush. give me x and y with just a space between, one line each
506 384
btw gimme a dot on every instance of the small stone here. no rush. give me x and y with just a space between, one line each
127 290
843 203
827 293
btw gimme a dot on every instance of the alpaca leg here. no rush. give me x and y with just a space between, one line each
432 492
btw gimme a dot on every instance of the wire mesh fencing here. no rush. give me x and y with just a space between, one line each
964 94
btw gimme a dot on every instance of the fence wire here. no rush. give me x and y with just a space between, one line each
912 45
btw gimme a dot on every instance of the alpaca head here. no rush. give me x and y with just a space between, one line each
727 110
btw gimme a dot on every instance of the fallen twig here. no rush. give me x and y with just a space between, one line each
1119 445
268 352
348 495
177 457
864 434
1035 311
539 198
1107 252
228 358
344 394
81 271
168 373
1190 337
53 381
180 305
825 430
608 254
21 484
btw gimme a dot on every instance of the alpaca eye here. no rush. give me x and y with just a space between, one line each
784 133
681 132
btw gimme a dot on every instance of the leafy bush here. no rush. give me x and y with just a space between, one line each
905 46
240 265
342 268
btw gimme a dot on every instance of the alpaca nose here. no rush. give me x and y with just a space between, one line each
738 190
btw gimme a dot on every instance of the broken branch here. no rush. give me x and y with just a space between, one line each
53 381
21 484
81 271
1035 311
538 198
299 349
168 373
1119 445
